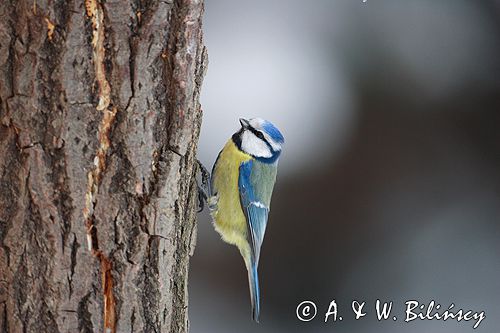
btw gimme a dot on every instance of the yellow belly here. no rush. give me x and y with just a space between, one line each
229 219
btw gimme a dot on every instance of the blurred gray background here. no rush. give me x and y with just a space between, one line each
389 184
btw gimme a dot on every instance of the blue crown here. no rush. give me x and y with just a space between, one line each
273 132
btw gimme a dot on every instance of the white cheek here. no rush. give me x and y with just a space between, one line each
254 146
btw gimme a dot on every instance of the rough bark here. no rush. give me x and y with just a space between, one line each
99 122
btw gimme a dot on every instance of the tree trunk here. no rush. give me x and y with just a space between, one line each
99 122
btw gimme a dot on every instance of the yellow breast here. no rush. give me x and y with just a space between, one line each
229 219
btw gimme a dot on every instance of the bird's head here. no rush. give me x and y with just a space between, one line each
259 138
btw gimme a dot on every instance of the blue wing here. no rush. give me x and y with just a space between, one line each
256 213
254 208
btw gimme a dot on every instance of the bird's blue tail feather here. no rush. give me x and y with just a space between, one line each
253 280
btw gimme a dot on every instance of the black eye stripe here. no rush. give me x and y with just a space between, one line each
237 139
260 136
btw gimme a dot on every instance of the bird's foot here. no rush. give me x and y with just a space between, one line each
202 198
204 190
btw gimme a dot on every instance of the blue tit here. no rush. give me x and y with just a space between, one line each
242 182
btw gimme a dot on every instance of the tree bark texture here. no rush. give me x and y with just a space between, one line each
99 122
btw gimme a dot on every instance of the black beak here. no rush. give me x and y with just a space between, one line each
244 123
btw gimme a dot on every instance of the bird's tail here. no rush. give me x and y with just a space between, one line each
253 280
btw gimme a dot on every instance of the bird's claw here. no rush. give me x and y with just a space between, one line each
202 198
204 191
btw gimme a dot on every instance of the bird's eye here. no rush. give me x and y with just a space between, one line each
260 135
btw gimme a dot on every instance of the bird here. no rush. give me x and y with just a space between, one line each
239 198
